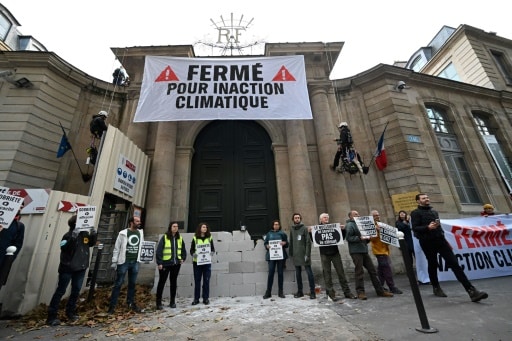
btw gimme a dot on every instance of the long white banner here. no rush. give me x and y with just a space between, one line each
184 89
483 246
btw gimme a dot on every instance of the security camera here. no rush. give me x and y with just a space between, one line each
400 85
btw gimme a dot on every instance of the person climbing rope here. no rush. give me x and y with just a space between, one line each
121 77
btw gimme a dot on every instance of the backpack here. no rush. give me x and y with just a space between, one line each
116 73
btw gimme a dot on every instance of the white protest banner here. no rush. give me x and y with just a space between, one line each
276 250
85 217
482 245
9 207
366 226
147 252
327 235
389 234
126 175
185 89
204 255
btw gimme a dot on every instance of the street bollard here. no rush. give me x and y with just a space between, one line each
92 286
425 327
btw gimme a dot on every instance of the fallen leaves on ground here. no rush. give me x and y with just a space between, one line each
94 313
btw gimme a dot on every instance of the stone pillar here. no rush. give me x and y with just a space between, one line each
283 184
181 189
160 188
334 187
302 188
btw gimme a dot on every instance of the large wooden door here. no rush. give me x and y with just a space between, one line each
233 178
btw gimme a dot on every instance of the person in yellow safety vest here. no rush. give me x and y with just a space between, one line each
202 250
170 254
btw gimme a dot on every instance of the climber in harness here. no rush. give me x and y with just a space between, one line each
351 160
121 77
97 127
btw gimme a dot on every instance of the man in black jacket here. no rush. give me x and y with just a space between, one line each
427 228
74 260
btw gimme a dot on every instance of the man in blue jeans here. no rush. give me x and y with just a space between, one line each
126 258
74 260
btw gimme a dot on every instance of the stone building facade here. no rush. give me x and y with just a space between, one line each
425 151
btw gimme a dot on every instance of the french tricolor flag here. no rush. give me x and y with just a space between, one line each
381 161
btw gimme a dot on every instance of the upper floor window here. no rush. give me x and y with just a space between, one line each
482 124
5 26
503 65
449 72
438 121
418 63
453 155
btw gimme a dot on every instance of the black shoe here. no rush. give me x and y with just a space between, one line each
110 311
206 301
281 295
351 296
267 295
53 322
312 296
73 317
476 295
397 291
159 307
195 302
172 305
134 307
298 294
439 292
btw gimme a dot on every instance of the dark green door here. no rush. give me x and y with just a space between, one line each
233 178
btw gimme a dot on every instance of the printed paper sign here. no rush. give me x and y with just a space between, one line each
388 234
147 252
203 252
185 89
327 235
85 217
366 226
276 250
9 207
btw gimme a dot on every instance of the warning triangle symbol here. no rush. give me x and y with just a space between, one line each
167 75
283 75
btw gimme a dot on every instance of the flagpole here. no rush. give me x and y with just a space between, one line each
72 151
373 156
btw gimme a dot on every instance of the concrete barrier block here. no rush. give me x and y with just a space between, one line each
222 237
241 235
241 245
229 257
235 267
231 278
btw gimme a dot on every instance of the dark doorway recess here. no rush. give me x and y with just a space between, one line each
233 178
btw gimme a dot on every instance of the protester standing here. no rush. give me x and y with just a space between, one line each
275 234
427 228
126 258
300 252
202 240
74 261
170 254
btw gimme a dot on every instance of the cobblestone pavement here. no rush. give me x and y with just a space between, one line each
253 318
